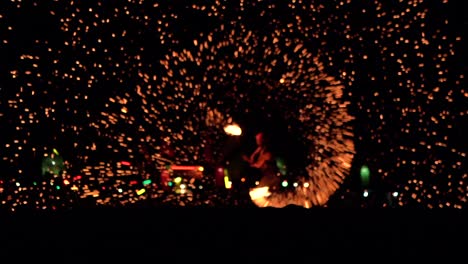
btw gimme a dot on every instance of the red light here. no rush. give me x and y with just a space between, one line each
133 182
125 163
78 177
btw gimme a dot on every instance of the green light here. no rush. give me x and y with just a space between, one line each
284 184
169 184
52 165
146 182
365 175
57 187
35 183
281 164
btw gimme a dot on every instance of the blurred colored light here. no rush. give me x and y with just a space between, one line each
170 184
125 163
186 167
133 182
365 175
146 182
141 191
227 183
57 187
284 184
55 151
66 182
178 180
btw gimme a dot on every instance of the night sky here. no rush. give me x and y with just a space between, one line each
337 84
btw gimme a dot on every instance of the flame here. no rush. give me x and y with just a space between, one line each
233 130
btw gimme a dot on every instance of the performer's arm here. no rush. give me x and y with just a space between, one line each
261 160
250 159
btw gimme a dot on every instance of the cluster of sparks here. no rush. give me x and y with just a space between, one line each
370 80
66 192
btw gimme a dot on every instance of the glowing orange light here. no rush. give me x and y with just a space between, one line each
186 167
